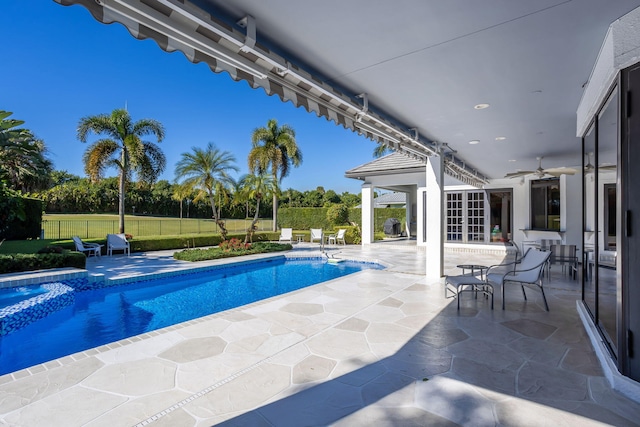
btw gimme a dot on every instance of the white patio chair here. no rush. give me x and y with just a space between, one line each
528 271
87 248
117 242
316 234
337 238
286 235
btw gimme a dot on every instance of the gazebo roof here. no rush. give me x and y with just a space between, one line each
392 164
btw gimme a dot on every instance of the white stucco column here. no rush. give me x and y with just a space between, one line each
367 214
410 198
435 218
421 216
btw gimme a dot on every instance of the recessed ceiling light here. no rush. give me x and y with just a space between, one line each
481 106
474 142
512 160
500 138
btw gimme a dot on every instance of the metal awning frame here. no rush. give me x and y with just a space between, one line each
182 26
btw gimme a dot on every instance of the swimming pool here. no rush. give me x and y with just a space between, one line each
105 315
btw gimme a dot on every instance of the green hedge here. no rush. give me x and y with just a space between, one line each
159 243
32 224
306 218
28 262
303 218
352 236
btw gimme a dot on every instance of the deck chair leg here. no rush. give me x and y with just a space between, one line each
544 298
503 295
523 294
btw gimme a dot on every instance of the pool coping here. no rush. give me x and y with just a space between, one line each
12 280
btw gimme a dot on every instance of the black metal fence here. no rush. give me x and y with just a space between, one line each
96 228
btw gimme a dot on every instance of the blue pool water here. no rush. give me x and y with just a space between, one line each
110 314
13 295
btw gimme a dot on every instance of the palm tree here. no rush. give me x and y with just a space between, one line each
224 191
256 187
238 196
181 192
8 132
203 169
278 151
25 164
381 150
123 148
23 157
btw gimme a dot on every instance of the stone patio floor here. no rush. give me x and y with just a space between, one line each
376 348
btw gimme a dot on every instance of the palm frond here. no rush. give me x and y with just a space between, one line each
98 157
380 150
151 164
146 127
97 125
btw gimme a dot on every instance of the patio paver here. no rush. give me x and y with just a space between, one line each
380 347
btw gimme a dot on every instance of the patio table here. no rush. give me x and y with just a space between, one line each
468 282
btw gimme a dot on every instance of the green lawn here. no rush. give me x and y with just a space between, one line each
97 226
107 217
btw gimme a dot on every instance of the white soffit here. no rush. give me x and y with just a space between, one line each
620 49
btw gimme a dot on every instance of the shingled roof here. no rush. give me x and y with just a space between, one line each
392 164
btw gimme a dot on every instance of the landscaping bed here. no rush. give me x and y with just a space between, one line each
14 263
231 248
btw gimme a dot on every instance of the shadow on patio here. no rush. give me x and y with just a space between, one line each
521 366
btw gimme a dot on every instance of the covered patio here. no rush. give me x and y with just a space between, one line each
471 90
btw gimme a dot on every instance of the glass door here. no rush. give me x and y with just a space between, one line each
628 225
455 216
606 158
500 215
475 216
466 216
590 217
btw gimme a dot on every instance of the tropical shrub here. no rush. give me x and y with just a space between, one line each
353 234
52 249
30 225
11 208
234 245
216 253
27 262
338 214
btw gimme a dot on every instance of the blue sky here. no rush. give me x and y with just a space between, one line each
59 65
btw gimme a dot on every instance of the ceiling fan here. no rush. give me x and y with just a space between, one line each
588 168
541 173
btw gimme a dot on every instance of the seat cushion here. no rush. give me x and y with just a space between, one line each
463 280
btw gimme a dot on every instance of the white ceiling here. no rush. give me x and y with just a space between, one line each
427 63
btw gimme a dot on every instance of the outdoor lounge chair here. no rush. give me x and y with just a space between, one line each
286 235
117 242
565 255
528 271
337 238
316 234
87 248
